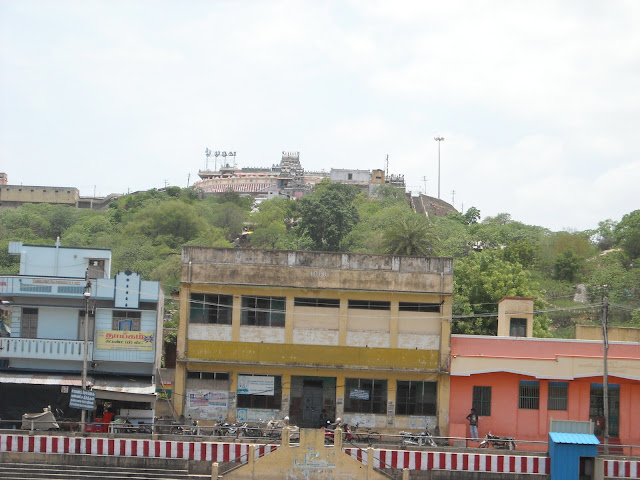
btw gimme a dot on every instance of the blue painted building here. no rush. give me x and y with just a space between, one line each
44 308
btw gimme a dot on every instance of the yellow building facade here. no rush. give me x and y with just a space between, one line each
267 334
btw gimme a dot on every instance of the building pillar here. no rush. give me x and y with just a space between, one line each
543 407
288 320
340 396
180 380
391 402
286 394
393 324
236 315
443 403
233 397
342 322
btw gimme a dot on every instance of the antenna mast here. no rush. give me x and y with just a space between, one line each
207 152
386 167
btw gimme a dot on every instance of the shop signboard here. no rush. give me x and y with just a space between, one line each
125 340
82 399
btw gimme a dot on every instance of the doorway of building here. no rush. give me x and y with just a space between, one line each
596 409
309 396
311 402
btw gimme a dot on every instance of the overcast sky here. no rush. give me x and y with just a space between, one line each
538 101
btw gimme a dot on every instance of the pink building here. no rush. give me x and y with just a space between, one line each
518 384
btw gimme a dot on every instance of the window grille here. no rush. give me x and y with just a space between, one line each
316 302
211 308
482 400
416 398
369 305
419 307
529 398
263 311
365 395
558 393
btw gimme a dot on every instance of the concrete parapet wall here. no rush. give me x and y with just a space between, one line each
317 270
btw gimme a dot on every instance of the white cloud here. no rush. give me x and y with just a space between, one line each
537 101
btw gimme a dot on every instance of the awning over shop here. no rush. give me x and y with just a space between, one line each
125 389
41 379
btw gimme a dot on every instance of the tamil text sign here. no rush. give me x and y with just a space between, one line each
82 399
125 340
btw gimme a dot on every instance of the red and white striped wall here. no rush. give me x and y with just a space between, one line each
211 452
622 468
467 462
238 452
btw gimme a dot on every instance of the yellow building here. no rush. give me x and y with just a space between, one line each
267 334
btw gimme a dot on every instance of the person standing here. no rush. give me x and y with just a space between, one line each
473 424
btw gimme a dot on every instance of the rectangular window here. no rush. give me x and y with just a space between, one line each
419 307
369 305
126 320
482 401
558 392
29 323
213 309
316 302
208 375
518 327
67 289
24 287
416 398
263 311
529 398
270 402
365 395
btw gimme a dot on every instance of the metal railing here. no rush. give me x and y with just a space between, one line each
39 348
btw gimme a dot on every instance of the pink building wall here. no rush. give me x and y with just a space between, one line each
530 424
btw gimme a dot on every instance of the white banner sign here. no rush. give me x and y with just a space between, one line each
249 385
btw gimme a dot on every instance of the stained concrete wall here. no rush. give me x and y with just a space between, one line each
317 270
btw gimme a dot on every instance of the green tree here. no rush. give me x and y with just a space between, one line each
627 234
480 281
328 215
472 215
171 222
230 218
409 235
604 236
567 265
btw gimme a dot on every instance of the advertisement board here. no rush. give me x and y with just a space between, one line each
256 385
125 340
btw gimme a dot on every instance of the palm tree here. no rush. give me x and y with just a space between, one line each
409 235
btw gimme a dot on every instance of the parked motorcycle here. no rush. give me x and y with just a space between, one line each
273 429
421 439
496 441
330 429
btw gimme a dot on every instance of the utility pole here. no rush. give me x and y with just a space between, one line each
605 374
424 179
87 295
439 140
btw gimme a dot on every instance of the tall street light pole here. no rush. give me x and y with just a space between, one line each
87 295
439 140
